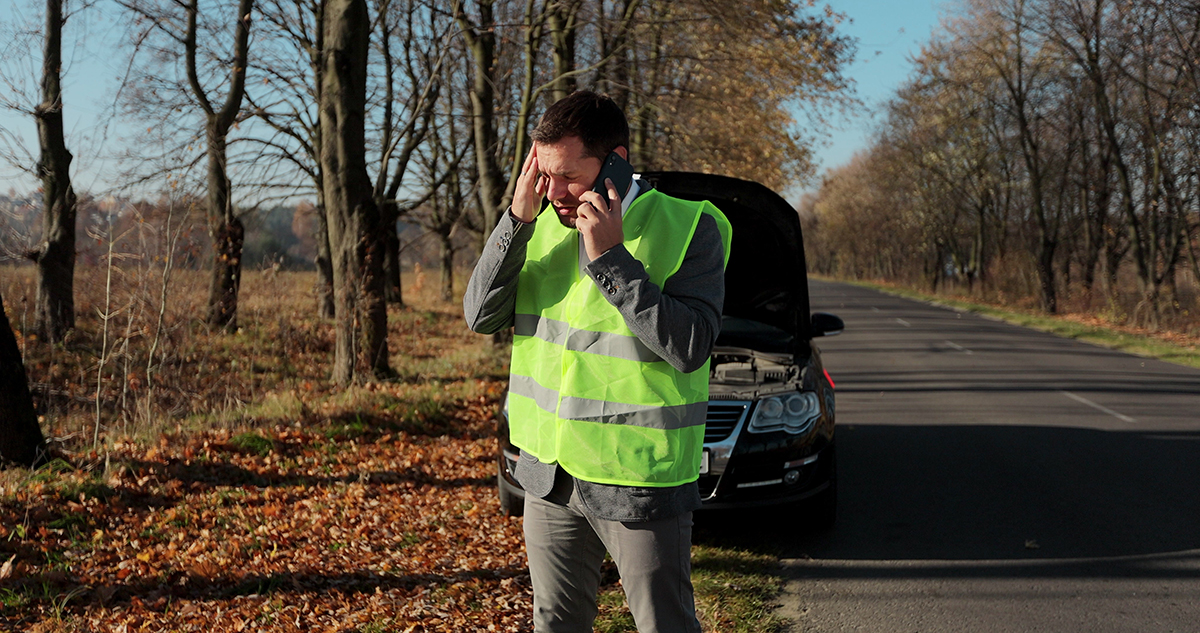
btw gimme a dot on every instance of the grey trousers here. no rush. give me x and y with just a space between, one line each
566 547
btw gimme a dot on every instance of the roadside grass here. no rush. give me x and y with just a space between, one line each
735 588
1168 346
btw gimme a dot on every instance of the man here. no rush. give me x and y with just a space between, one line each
616 302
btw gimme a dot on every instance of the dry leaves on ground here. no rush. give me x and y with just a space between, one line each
305 529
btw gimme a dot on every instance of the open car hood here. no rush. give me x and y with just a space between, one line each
766 280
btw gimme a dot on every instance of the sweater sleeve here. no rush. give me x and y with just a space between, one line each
681 320
491 295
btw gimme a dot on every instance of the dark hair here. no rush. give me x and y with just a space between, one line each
595 118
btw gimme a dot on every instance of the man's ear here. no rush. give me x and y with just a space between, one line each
622 152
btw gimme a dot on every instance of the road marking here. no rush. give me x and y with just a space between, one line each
959 347
874 309
1098 407
903 322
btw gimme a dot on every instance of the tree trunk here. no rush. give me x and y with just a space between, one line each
481 40
563 22
54 313
21 441
226 230
228 239
447 268
228 235
1046 277
359 305
393 286
324 262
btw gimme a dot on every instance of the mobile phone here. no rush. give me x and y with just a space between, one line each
619 170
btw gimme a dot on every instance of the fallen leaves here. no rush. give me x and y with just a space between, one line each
387 530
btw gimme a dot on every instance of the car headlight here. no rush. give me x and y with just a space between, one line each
794 413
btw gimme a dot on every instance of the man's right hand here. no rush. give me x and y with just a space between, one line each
531 186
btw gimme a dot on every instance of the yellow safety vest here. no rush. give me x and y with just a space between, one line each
584 391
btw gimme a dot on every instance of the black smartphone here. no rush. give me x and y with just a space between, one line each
619 170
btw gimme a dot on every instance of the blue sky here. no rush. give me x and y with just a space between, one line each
888 33
92 69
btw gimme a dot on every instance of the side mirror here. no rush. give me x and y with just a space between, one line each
824 324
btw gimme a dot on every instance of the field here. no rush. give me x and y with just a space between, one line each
222 484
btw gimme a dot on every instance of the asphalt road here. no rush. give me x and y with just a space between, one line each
994 478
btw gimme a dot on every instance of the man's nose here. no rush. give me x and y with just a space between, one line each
556 190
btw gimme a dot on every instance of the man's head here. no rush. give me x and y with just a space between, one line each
573 137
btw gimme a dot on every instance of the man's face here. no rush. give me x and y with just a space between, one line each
569 174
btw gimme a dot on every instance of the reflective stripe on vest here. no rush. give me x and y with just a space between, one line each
585 392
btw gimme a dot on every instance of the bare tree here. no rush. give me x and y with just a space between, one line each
360 307
480 37
55 256
226 228
424 44
440 212
196 41
285 94
563 23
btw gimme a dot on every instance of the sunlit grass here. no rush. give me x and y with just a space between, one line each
734 587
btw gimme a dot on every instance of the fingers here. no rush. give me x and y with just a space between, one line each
529 159
611 205
614 196
530 187
595 203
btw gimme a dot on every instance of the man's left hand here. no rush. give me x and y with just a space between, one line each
599 221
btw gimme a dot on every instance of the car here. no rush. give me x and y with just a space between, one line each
769 436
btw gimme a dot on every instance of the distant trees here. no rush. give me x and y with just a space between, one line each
1041 147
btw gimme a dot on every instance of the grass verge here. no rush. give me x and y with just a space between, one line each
1174 348
735 588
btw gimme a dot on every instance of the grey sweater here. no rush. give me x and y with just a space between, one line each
679 322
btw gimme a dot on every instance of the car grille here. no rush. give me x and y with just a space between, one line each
722 418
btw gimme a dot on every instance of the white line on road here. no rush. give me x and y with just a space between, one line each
1082 400
959 347
874 309
903 322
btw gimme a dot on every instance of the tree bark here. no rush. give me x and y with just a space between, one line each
359 305
324 262
21 441
393 285
447 268
224 226
325 304
481 41
54 313
563 20
228 235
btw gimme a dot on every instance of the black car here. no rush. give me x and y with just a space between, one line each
769 437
